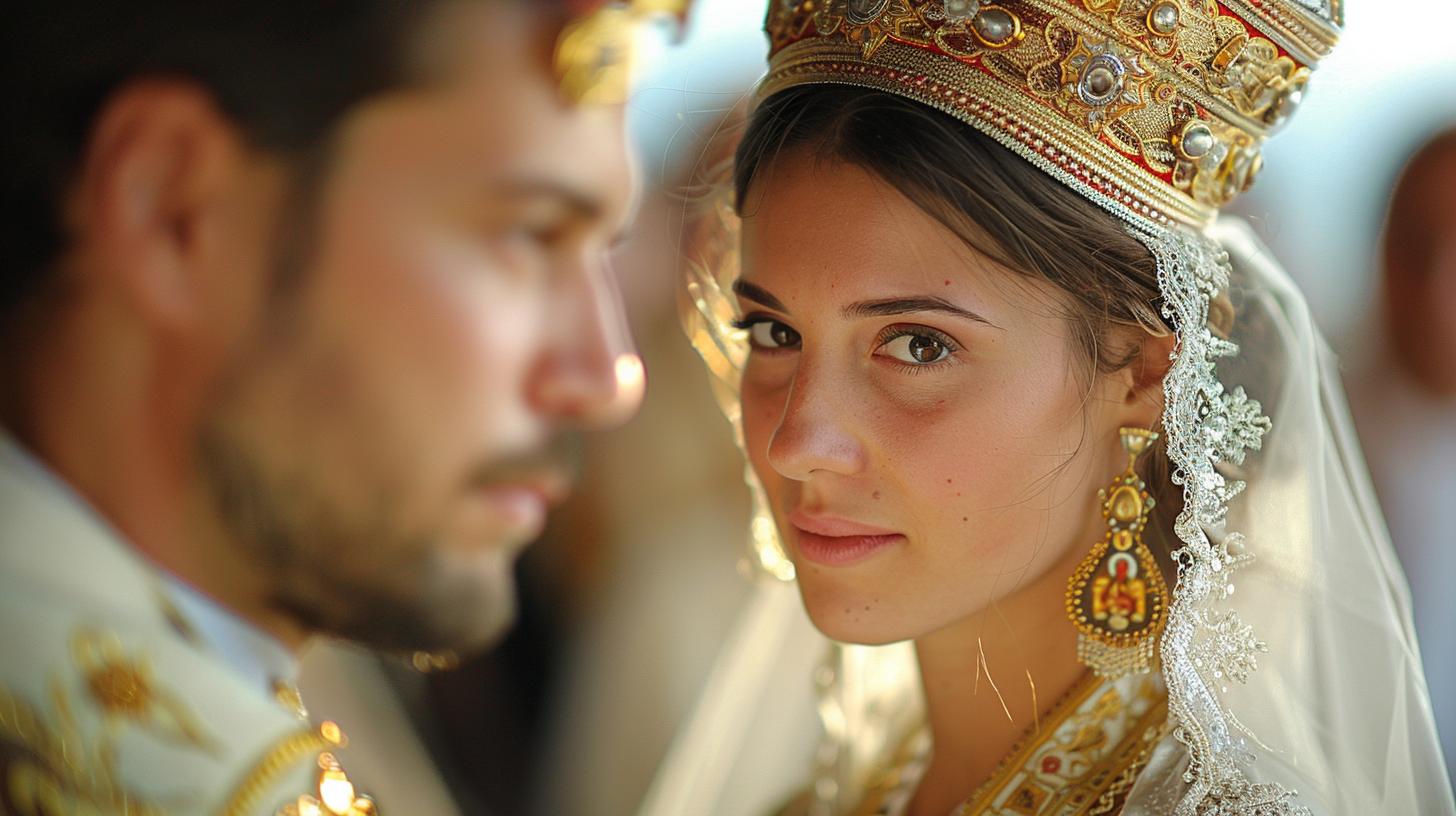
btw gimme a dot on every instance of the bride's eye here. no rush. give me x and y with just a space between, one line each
768 334
918 348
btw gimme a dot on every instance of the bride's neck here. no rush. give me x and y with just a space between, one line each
988 681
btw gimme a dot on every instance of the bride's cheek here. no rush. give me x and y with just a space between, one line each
917 401
761 408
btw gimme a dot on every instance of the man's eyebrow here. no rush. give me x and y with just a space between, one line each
758 294
906 305
579 203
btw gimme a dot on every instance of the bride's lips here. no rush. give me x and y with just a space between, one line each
836 542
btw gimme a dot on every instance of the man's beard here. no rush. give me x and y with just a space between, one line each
347 569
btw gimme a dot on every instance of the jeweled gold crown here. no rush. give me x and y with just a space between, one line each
1156 109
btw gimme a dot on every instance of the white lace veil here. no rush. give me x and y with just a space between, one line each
1292 669
1297 668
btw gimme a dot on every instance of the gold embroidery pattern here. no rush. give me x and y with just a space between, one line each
124 691
43 773
1089 761
1084 760
48 765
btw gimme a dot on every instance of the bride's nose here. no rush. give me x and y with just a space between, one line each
816 431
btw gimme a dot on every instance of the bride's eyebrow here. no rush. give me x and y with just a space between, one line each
907 305
758 294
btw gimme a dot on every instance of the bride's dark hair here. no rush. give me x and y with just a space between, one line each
997 202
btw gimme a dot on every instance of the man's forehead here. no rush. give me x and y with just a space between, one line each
464 37
493 109
579 155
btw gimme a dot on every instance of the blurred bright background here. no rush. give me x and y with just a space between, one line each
627 600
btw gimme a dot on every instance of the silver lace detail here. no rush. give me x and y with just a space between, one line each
1204 647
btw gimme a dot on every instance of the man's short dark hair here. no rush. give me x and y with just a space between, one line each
284 71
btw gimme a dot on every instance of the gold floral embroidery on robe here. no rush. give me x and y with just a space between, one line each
1082 761
49 765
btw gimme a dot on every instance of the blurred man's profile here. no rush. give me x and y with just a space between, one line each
1404 400
302 306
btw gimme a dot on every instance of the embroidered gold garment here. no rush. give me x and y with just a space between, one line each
1082 759
109 700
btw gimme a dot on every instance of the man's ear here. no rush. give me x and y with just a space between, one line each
145 198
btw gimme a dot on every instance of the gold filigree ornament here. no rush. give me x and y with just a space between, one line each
596 52
1106 79
869 24
1117 597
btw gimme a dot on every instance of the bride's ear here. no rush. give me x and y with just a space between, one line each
1142 379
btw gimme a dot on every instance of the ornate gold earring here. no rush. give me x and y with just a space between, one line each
1117 597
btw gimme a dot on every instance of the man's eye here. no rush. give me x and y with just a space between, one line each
537 236
770 334
917 349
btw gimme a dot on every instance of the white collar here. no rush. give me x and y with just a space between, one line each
258 657
47 529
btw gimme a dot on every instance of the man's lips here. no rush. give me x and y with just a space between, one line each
833 541
521 505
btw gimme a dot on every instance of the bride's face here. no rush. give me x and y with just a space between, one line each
920 417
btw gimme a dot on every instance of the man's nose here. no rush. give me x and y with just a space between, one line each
591 375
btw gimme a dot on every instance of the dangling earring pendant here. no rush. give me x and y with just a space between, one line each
1117 597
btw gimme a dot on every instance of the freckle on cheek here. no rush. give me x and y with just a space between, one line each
947 283
877 495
